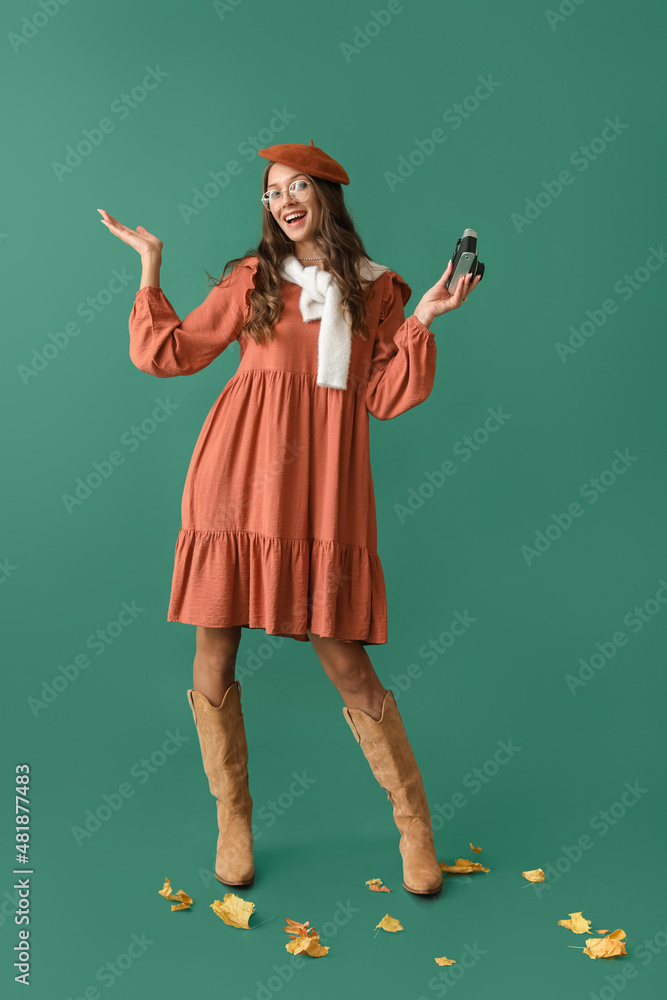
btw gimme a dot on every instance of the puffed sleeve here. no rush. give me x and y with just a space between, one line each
403 361
163 345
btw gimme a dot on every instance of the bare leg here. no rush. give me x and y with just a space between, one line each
348 666
215 661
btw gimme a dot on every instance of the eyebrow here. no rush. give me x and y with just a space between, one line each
290 177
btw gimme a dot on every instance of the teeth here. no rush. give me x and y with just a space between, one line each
294 215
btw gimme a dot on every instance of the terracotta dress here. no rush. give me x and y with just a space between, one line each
278 523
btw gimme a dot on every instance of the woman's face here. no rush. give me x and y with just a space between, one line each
305 230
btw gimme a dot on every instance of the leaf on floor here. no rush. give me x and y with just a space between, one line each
389 924
446 961
304 938
463 865
376 885
234 910
577 923
534 875
184 901
606 947
475 849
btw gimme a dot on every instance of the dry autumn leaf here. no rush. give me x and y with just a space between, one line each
606 947
446 961
577 923
184 901
605 930
376 885
463 865
534 875
389 924
233 910
310 944
475 849
304 938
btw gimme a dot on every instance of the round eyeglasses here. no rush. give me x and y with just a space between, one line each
299 191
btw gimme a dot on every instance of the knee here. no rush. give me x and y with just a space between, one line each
217 647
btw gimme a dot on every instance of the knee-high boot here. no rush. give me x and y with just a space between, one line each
225 756
388 751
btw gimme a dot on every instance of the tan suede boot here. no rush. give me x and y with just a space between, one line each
225 756
388 751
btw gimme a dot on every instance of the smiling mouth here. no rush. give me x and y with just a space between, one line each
295 222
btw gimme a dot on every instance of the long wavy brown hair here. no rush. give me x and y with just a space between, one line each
337 241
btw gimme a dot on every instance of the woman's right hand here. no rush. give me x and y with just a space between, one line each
143 242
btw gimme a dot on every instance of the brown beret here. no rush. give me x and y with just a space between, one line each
308 159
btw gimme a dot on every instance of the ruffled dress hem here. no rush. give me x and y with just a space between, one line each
238 577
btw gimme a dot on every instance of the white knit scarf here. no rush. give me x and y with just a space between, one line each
321 299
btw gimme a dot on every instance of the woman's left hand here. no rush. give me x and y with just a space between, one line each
439 300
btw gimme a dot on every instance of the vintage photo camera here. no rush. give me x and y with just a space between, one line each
465 260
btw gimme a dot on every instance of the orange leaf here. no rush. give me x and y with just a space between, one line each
389 924
234 910
463 865
534 875
446 961
299 930
184 901
475 849
577 923
376 885
605 930
606 947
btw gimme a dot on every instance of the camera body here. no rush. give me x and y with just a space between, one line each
465 260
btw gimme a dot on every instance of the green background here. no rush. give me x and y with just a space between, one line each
66 575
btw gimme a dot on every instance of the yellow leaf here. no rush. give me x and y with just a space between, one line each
534 875
184 901
233 910
577 923
376 885
475 849
606 947
463 865
305 939
389 924
446 961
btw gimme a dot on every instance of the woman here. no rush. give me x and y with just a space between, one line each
278 514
